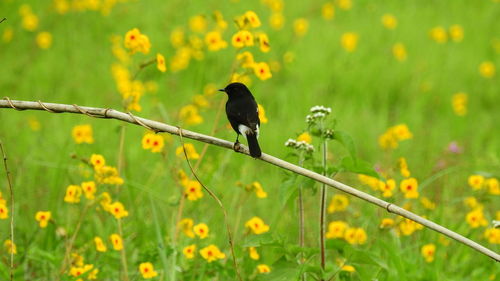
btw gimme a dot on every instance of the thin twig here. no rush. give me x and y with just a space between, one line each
11 191
230 236
162 127
322 213
123 254
4 19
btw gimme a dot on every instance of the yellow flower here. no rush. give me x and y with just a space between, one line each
157 143
300 26
257 225
305 137
263 269
349 41
99 244
277 21
259 191
97 161
43 218
219 19
263 42
44 40
198 24
105 201
328 11
177 38
252 18
77 271
456 33
476 181
117 241
387 141
147 140
135 41
61 6
475 218
160 63
214 41
211 253
386 223
108 175
189 251
348 268
201 230
237 40
355 236
73 193
427 203
387 187
82 134
472 203
344 4
262 114
89 189
254 255
487 69
409 187
370 181
407 227
7 35
118 210
192 190
246 59
438 34
186 226
10 247
389 21
493 235
493 186
428 252
30 22
147 270
93 274
262 71
339 203
4 211
399 51
189 114
336 229
459 103
401 132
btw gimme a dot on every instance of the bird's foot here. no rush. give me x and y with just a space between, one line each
236 146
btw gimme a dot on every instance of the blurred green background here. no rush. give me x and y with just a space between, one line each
368 89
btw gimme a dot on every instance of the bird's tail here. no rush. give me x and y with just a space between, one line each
253 145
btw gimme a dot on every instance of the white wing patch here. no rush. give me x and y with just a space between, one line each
244 130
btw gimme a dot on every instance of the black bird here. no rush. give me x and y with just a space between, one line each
243 114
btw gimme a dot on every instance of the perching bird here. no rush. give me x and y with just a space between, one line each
243 114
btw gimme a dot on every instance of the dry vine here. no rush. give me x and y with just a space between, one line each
162 127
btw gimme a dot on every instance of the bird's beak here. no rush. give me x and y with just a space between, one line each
222 90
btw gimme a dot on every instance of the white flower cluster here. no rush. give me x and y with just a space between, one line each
300 145
318 112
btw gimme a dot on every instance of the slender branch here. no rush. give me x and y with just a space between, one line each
4 19
162 127
9 181
322 213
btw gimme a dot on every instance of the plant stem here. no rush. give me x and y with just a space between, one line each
123 253
9 181
323 213
301 220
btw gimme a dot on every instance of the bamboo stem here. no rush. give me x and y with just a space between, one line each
162 127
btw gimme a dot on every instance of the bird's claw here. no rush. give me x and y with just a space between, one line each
236 146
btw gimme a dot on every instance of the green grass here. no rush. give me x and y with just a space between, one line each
368 91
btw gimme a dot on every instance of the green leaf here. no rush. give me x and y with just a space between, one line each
358 166
347 141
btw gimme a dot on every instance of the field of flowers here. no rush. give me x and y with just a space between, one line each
396 98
